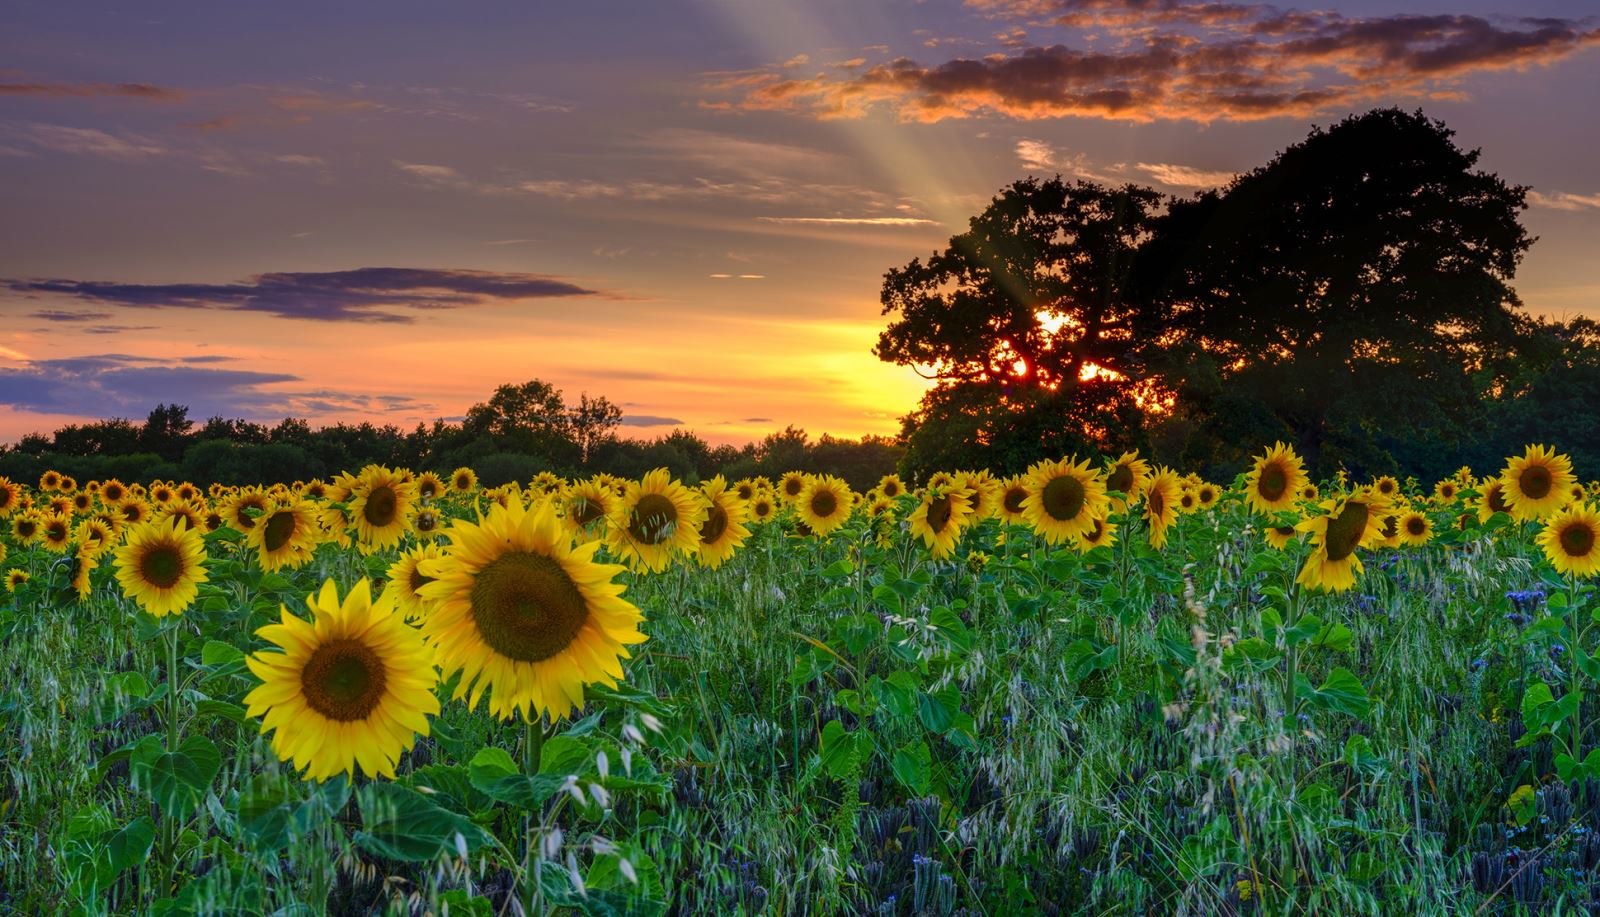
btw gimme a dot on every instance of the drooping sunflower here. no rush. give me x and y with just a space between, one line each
790 486
83 564
286 535
162 565
1276 479
763 508
587 505
93 536
1536 483
1416 529
940 517
985 493
1102 534
1391 531
723 530
381 504
1571 540
1161 497
55 532
193 516
1577 493
429 486
656 520
1279 536
1356 521
463 480
405 578
527 617
16 579
879 505
824 504
10 497
1013 491
335 523
352 687
891 486
1127 475
1492 499
1064 499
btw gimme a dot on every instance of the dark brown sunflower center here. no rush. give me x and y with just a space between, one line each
1274 481
1416 525
939 513
111 493
1577 539
133 513
716 523
6 496
793 486
428 489
418 579
526 607
1120 479
1284 530
1094 534
585 510
1391 526
1447 491
891 489
1345 530
762 509
1496 499
56 531
161 566
277 530
1207 495
1063 498
654 519
1014 497
1385 487
381 506
824 503
1156 503
427 521
26 528
343 680
1535 482
1187 500
462 482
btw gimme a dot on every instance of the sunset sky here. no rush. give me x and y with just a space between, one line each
383 210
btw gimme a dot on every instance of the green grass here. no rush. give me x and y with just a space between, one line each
1041 733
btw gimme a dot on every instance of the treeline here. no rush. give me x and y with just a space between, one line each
520 431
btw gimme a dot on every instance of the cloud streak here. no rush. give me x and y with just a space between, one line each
1200 62
87 90
365 294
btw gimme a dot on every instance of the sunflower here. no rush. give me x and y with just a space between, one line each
1188 502
428 523
1127 475
216 490
723 531
824 504
1355 521
657 519
791 485
429 486
162 565
1102 534
940 516
1207 494
353 687
16 579
1278 536
61 506
523 614
1161 497
314 489
381 505
10 497
405 579
193 516
879 505
50 480
161 494
587 505
112 492
25 527
463 480
1064 499
93 536
187 492
1415 528
1446 491
1577 493
1390 531
985 493
1013 491
83 564
1570 541
286 535
1276 479
891 486
763 508
1492 500
1386 486
240 508
82 501
1537 483
55 532
335 523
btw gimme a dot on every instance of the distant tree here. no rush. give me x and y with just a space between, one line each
166 431
530 419
1028 311
591 421
1359 282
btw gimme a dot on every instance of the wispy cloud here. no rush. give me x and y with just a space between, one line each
1207 61
1564 200
85 90
1177 176
851 221
649 420
89 141
364 294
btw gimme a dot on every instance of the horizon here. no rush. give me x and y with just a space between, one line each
717 186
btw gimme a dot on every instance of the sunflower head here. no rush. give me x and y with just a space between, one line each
940 518
162 565
463 480
655 521
1064 499
1537 483
1571 541
824 504
723 530
1275 480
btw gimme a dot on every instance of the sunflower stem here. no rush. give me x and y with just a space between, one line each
533 747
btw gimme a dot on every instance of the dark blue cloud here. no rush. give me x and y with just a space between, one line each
107 385
364 294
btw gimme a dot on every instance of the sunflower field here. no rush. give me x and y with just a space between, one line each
1100 687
